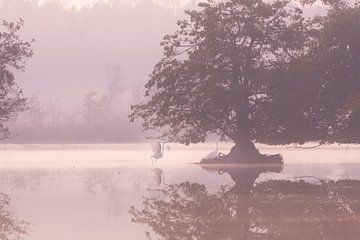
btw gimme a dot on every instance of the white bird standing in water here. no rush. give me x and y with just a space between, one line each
158 151
213 154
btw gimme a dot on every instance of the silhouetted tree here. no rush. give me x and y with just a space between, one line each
216 76
115 86
334 66
92 107
13 53
254 70
55 112
35 111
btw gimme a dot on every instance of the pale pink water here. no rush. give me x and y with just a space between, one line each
81 192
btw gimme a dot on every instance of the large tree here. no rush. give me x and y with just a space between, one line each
251 70
215 75
13 55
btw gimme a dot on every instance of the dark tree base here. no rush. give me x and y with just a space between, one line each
245 153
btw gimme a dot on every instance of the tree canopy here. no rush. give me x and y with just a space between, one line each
336 54
257 70
13 55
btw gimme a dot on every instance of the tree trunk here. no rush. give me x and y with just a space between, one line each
245 152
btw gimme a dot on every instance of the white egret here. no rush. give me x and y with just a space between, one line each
158 150
213 154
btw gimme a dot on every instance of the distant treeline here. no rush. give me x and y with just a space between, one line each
76 134
99 118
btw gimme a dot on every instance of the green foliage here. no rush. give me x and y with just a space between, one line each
13 54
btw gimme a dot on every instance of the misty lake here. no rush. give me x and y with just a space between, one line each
112 192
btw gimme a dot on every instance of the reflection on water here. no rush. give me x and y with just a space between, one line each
10 227
158 177
275 209
244 176
81 193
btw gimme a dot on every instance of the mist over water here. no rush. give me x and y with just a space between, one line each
86 191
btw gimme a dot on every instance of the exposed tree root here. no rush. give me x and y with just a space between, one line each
245 154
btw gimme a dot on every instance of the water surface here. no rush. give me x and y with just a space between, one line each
111 192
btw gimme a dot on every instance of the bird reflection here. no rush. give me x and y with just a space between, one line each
275 209
31 180
158 177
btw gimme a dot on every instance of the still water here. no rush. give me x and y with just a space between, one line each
111 192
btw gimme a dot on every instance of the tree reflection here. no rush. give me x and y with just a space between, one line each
30 180
244 176
276 209
10 227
